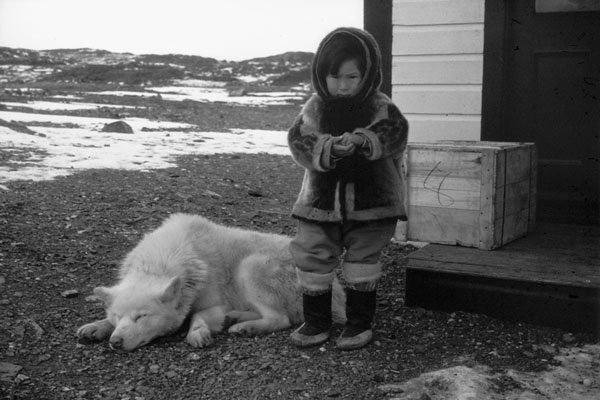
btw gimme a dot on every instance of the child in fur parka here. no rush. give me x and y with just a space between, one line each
350 138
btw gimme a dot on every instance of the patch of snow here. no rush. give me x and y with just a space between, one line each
62 151
180 93
66 97
576 378
125 93
250 78
213 92
198 83
54 106
94 124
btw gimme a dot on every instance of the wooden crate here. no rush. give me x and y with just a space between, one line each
474 194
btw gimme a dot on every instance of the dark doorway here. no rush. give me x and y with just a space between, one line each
542 85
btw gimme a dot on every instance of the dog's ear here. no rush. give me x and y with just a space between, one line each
172 291
104 294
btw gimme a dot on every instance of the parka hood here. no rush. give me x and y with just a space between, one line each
372 62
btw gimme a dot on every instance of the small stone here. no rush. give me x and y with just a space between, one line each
568 338
587 382
212 194
255 193
528 354
8 371
395 367
548 349
171 374
44 357
2 280
154 368
18 294
68 294
21 378
92 299
4 302
420 349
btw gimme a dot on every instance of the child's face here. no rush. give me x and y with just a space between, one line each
347 80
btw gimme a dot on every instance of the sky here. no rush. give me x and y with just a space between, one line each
223 29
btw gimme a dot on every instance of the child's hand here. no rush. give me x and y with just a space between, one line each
352 138
342 150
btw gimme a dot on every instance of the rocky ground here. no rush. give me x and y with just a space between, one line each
61 238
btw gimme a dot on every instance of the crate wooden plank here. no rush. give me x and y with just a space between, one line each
436 224
533 189
453 163
487 211
435 197
515 197
514 225
518 156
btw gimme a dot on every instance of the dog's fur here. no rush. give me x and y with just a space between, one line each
219 276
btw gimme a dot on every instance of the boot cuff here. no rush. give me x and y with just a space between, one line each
363 277
313 283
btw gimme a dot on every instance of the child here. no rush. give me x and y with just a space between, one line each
350 138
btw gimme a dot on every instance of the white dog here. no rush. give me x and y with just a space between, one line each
220 276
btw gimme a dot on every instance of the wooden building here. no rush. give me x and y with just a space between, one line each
507 71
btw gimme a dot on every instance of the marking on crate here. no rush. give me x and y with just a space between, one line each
438 189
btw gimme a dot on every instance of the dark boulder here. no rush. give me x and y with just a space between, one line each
118 127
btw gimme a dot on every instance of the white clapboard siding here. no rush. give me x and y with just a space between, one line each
438 12
457 69
427 99
437 67
432 127
438 39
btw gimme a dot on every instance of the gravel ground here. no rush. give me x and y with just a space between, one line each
59 239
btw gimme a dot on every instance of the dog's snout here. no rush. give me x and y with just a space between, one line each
116 343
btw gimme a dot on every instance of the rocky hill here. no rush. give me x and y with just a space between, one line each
101 66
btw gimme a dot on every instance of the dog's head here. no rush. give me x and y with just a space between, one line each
142 312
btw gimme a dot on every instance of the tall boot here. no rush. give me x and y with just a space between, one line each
360 311
317 320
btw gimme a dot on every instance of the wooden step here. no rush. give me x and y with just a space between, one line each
551 277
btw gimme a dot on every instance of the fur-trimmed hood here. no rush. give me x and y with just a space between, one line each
370 51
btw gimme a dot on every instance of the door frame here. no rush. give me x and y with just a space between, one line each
493 90
377 20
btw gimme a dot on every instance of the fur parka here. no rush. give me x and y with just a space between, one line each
368 185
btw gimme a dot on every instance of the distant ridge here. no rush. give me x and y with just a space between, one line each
10 55
97 66
290 56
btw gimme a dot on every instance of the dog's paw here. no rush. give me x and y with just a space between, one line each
199 337
92 332
243 330
229 320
